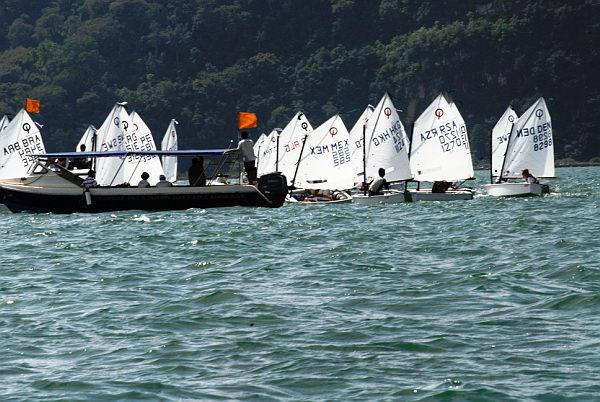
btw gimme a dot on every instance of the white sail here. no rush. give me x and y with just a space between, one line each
267 154
387 143
139 138
500 134
87 139
531 145
4 123
290 144
169 143
258 144
440 145
111 137
356 148
19 139
326 163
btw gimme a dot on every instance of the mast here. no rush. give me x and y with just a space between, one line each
277 152
412 134
298 163
492 156
364 158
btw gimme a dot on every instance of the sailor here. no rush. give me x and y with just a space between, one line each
377 185
246 145
196 174
163 182
528 177
144 182
80 163
90 180
440 186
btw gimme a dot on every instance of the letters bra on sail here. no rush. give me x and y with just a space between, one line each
290 144
356 148
19 139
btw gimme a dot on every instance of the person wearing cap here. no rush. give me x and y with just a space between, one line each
163 182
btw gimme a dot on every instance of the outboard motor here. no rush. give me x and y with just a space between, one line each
274 187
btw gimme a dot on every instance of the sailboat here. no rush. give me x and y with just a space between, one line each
530 146
499 141
385 145
87 139
169 143
18 141
268 153
4 122
289 146
111 138
440 153
325 167
356 148
139 138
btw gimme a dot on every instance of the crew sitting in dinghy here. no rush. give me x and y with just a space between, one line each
442 186
379 184
528 177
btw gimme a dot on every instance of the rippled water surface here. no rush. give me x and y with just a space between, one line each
490 299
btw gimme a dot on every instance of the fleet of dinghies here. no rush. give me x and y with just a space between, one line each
323 164
319 164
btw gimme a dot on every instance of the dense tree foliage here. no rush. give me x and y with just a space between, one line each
200 61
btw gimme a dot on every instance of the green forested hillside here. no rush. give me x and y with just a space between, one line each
200 61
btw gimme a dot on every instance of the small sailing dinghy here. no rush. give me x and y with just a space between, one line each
440 153
87 140
529 146
385 145
19 140
324 170
52 188
169 143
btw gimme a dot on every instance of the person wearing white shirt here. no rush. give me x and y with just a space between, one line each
246 146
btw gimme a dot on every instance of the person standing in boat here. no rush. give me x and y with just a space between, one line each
196 175
90 180
144 182
528 177
246 145
378 185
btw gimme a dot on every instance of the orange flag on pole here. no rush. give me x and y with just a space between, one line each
32 105
247 120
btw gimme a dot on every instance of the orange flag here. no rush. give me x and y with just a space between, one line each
247 120
32 105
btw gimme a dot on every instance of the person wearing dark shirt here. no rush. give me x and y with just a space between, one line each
196 175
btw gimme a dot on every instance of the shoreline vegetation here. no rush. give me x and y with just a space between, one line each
203 61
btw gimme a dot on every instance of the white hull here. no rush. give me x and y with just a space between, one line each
388 197
514 189
450 195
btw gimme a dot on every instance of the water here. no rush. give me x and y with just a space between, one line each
492 299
